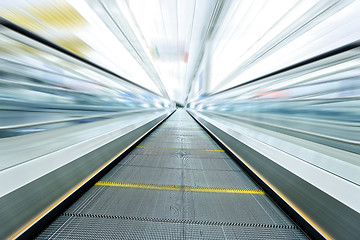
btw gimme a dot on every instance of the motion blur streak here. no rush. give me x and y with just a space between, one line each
278 76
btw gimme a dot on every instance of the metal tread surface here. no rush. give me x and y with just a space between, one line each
171 161
231 207
66 227
184 221
181 176
183 153
178 188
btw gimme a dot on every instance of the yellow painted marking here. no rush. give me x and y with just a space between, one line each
223 190
181 128
190 149
179 188
322 231
180 135
180 121
37 218
135 185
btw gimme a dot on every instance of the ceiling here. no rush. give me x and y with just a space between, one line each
187 49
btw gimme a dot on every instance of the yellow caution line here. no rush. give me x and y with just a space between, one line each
136 185
182 128
223 190
190 149
180 135
179 188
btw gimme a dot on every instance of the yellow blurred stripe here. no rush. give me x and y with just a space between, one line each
74 44
58 14
22 19
179 188
17 48
186 149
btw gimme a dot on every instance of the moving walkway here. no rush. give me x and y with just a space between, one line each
176 184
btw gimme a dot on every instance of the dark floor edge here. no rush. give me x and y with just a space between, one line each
304 225
46 220
181 221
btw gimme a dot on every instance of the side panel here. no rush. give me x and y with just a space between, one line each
21 206
317 208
